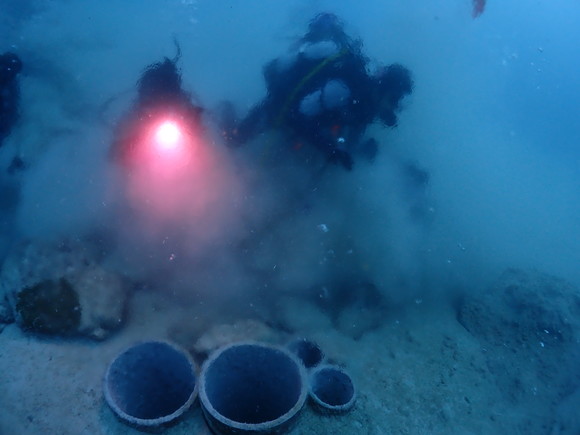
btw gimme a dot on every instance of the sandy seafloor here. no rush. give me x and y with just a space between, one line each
480 354
421 372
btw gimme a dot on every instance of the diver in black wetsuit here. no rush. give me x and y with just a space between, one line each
159 93
322 93
10 66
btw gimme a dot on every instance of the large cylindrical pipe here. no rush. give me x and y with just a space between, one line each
151 383
252 388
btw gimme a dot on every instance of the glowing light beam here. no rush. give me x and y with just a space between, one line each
168 135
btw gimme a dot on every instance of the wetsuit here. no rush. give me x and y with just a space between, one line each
320 93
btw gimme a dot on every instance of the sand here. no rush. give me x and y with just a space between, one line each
420 372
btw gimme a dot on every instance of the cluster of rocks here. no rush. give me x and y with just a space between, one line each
61 289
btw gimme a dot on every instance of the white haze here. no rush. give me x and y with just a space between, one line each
492 119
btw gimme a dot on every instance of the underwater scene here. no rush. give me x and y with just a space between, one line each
299 217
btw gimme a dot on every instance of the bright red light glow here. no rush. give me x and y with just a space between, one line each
168 135
167 147
175 177
173 174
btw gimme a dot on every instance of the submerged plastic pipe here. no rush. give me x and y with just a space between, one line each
307 351
151 383
252 388
331 389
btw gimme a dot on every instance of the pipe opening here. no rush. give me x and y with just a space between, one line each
150 381
253 384
332 388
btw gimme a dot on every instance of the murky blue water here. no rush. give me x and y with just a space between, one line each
481 174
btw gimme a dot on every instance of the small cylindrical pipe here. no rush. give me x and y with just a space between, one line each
307 351
151 384
331 389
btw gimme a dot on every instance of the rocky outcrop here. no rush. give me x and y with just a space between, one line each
60 289
525 309
528 326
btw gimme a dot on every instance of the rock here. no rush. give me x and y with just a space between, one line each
49 307
524 308
103 294
528 326
60 289
242 330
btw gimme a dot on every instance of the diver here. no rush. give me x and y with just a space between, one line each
159 95
10 66
321 93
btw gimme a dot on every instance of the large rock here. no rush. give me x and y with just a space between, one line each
60 289
242 330
524 309
528 326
